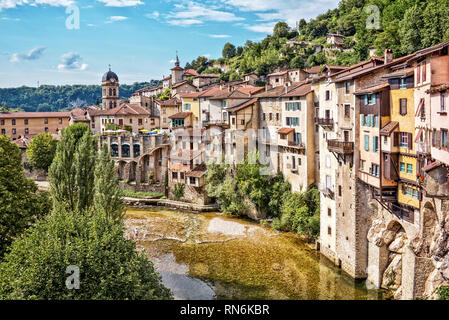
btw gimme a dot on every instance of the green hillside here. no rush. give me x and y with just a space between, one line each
405 26
56 98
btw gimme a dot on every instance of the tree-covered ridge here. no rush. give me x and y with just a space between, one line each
57 98
405 26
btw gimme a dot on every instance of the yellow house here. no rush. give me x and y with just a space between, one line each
191 103
403 112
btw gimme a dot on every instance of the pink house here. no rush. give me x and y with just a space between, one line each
439 101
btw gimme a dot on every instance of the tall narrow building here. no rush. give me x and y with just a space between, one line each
110 87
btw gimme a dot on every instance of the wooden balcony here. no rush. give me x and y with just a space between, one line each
341 147
295 144
325 122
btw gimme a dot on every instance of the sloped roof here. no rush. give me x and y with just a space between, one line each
123 109
198 171
374 88
400 73
285 130
195 94
35 115
191 72
299 91
169 102
389 128
182 83
180 115
242 105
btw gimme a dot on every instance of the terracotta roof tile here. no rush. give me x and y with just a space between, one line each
35 114
180 115
389 128
285 130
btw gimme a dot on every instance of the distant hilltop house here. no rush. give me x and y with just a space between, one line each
304 44
335 42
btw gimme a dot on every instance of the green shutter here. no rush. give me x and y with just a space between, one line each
374 98
362 119
366 99
375 144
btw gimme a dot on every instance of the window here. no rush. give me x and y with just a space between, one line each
174 175
25 121
403 142
339 191
403 106
2 122
192 180
271 116
140 122
376 121
45 121
370 99
348 87
27 131
120 122
186 106
409 168
443 103
366 142
415 194
444 141
329 230
13 122
60 120
363 165
424 71
347 110
3 131
362 119
402 167
418 74
375 170
277 116
46 129
130 120
13 131
242 122
329 212
293 163
328 95
402 84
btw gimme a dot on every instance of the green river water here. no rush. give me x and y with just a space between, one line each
210 256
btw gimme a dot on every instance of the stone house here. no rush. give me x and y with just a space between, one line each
168 108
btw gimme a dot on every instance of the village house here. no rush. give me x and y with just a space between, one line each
28 124
168 108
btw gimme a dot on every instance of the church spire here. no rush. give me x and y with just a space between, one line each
177 60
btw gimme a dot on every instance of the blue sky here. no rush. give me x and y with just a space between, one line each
139 38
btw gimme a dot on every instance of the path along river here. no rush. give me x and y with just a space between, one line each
210 256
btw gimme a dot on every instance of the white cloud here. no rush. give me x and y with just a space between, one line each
154 15
189 13
184 22
261 27
33 54
9 4
121 3
219 36
116 18
285 10
72 61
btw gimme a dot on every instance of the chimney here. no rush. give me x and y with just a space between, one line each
388 56
372 51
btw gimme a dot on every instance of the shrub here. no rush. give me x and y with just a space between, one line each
178 191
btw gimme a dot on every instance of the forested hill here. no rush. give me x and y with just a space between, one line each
56 98
405 26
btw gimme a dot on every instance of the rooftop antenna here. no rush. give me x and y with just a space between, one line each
109 67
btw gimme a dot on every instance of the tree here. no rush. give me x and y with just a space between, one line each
281 30
41 151
410 30
229 50
109 265
4 107
107 195
71 174
21 204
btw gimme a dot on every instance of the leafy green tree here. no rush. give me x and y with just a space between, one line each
4 107
279 191
229 50
109 265
178 191
107 194
21 204
410 30
297 62
41 151
281 30
71 174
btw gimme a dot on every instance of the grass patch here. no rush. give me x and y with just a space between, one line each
135 194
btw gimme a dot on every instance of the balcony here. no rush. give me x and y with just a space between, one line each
422 147
327 192
325 122
295 144
341 147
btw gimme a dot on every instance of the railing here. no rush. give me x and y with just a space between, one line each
422 147
326 122
296 144
343 147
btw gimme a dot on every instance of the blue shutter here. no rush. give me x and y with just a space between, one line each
374 98
366 143
299 106
375 144
362 119
366 99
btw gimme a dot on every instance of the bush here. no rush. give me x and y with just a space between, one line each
109 265
41 151
443 293
178 191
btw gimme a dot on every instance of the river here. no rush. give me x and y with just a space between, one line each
211 256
